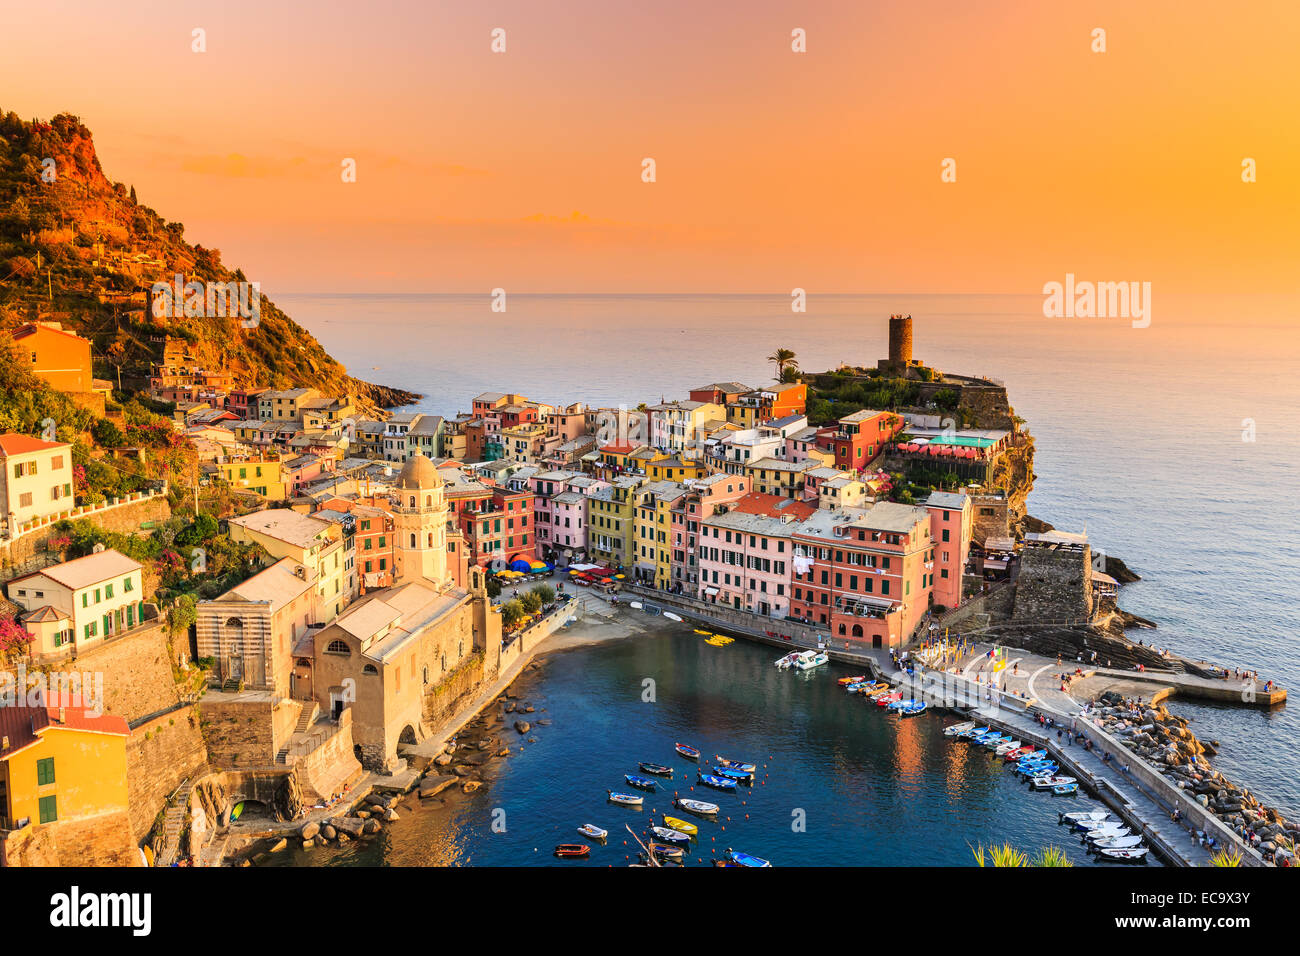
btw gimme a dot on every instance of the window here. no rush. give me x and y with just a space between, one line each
127 585
44 771
49 809
338 647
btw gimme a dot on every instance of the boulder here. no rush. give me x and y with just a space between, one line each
279 845
390 815
328 832
348 827
432 786
469 786
308 831
371 826
522 726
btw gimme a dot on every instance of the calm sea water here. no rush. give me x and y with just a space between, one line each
870 788
1140 431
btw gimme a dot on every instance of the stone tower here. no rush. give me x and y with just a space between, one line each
900 341
420 523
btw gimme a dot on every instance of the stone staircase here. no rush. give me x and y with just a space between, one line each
310 711
173 825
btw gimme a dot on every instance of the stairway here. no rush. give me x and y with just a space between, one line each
310 711
172 826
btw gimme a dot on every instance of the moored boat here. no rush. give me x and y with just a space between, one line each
952 730
735 764
782 663
717 783
740 775
1006 747
1066 790
1048 782
860 679
572 849
658 769
666 851
884 700
671 835
701 807
1135 854
1117 843
746 859
913 708
681 826
973 733
1106 833
686 750
643 783
627 799
816 660
593 831
1078 815
672 617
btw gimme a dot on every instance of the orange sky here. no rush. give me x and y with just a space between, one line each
819 170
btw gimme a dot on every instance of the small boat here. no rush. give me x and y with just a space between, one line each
914 708
705 633
785 663
973 733
1047 783
696 806
1006 748
634 604
666 851
1066 790
1106 833
881 688
627 799
952 730
745 859
884 700
1078 815
1105 823
1135 854
671 835
658 769
593 831
1117 843
686 750
1040 771
672 617
681 826
572 849
860 679
642 783
858 687
993 743
1024 753
741 775
717 783
735 764
724 863
808 663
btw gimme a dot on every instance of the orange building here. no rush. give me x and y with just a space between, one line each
60 357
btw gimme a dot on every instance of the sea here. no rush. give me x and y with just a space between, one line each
1173 445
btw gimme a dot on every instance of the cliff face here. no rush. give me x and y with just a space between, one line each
80 249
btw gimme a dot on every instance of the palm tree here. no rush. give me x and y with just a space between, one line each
782 358
1007 855
1225 858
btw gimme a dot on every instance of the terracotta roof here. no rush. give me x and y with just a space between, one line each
12 443
22 727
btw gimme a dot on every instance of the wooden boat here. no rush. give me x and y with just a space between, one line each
735 764
666 851
1087 826
1028 757
745 859
696 806
640 782
884 700
740 775
952 730
627 799
686 750
973 733
913 708
1048 782
857 688
658 769
845 681
1135 854
1039 771
1006 748
717 783
681 826
593 831
572 850
1078 815
1066 790
671 835
1106 833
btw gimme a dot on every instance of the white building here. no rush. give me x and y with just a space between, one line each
80 602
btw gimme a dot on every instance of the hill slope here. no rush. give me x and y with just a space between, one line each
80 249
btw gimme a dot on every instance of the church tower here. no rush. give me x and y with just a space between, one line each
420 523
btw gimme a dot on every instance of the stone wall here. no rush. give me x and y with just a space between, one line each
246 730
136 671
331 767
991 607
104 840
160 754
446 696
1054 584
23 555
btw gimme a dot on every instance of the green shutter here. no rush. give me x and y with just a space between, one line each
49 809
44 771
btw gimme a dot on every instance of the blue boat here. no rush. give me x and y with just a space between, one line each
717 783
914 708
735 764
746 859
1066 790
686 750
636 780
973 733
657 769
627 799
733 774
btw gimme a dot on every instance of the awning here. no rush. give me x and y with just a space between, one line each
711 591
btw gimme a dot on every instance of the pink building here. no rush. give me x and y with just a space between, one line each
702 497
951 522
746 554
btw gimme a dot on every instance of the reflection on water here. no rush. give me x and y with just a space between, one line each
872 788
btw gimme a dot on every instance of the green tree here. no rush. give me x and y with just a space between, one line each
545 592
512 612
532 602
181 615
493 588
782 359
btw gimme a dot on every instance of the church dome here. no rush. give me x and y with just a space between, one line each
418 472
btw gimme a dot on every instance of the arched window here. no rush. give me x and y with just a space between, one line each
428 501
841 628
413 539
412 501
370 669
431 539
338 647
857 630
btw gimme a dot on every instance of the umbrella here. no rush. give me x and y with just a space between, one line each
520 565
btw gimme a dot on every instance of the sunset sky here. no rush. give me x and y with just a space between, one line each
774 169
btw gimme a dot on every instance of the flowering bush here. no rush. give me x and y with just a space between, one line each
13 637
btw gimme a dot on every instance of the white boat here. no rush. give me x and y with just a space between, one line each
1089 825
787 662
1107 833
634 604
1047 783
671 616
807 663
1010 745
955 729
1080 815
1118 843
1129 855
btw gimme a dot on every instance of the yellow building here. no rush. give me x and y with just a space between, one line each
316 545
263 475
652 530
676 469
611 520
60 764
772 476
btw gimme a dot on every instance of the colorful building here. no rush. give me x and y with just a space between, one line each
35 480
857 439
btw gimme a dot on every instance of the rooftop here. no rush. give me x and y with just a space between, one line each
84 572
284 525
